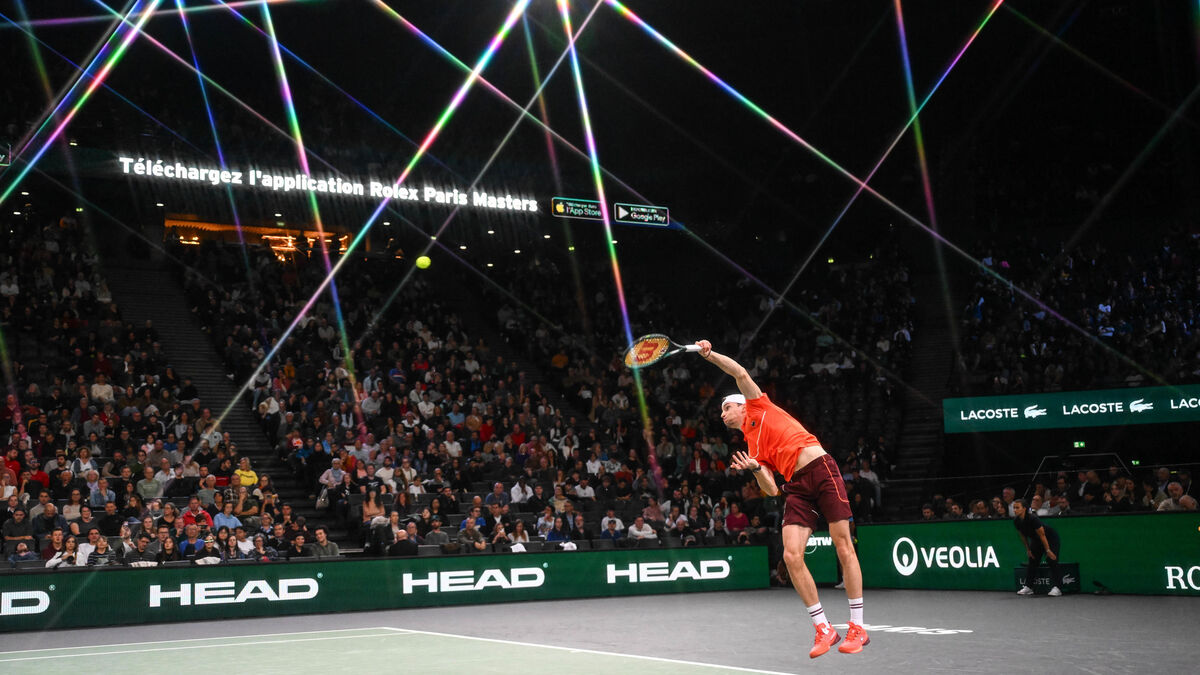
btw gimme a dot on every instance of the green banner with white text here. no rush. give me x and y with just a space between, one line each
1071 409
1145 554
62 599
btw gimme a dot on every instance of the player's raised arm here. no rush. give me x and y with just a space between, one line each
745 385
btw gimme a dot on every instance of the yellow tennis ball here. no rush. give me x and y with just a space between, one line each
424 262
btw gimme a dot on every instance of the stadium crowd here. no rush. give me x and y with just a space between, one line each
109 453
1088 492
1141 302
420 425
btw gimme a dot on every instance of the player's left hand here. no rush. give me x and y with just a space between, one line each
743 462
1050 555
705 348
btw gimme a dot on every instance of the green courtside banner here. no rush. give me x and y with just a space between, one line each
1146 554
64 599
1100 408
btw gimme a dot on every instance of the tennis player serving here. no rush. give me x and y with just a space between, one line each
777 443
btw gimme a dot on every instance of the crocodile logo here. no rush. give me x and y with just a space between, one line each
1140 405
1033 411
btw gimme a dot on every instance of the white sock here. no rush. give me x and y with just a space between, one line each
856 610
817 614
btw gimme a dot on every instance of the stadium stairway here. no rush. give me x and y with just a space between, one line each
147 291
918 455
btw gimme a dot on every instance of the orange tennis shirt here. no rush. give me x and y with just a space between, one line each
773 437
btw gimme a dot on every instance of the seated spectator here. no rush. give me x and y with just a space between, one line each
652 512
141 552
298 549
499 535
279 539
111 522
403 547
610 532
755 533
231 551
262 552
22 553
48 521
498 496
54 544
521 492
191 542
69 555
436 536
323 547
247 476
413 534
210 553
736 521
611 515
641 530
16 530
519 535
584 491
470 538
101 555
226 518
372 508
1174 495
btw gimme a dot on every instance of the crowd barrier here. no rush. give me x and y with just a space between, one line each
41 600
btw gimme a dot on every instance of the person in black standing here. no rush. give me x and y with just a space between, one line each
1040 540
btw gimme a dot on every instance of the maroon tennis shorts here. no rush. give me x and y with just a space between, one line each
817 485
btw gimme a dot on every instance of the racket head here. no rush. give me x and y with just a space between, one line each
648 350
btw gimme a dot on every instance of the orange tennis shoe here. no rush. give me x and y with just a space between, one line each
856 639
826 638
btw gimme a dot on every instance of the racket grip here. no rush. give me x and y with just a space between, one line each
691 348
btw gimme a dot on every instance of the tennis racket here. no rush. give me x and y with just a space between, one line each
650 349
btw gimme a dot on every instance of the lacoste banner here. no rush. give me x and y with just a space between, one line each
1146 554
1105 407
62 599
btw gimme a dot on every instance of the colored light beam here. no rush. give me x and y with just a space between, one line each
100 18
918 138
537 95
552 155
95 56
212 125
757 110
564 8
493 46
126 40
912 120
289 105
334 85
802 312
105 85
47 90
716 252
214 84
541 101
43 76
737 95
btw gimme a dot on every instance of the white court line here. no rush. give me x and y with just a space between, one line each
170 649
586 651
159 642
